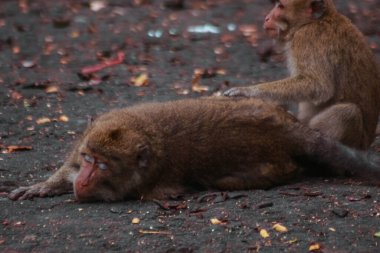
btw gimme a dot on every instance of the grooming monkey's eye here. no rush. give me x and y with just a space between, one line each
102 166
88 158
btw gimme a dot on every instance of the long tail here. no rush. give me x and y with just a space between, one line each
328 155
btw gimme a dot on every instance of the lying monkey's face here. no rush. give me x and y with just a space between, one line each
93 180
114 166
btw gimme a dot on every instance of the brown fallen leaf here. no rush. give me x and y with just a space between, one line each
358 198
14 148
24 6
61 22
15 95
16 49
196 86
312 194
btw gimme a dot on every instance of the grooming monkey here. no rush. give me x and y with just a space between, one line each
158 150
333 73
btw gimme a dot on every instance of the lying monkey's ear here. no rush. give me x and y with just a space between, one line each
318 8
115 134
143 155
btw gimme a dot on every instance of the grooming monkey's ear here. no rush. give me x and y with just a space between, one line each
318 8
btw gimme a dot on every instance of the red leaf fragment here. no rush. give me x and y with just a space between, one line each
265 205
312 194
358 198
15 95
108 63
198 213
23 5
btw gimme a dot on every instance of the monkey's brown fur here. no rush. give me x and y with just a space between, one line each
160 149
334 75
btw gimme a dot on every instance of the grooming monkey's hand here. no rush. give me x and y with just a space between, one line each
243 92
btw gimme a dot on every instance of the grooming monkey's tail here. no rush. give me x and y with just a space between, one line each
327 155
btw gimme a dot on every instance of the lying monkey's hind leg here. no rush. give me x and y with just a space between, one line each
262 176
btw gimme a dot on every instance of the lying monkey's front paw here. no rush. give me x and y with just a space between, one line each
28 192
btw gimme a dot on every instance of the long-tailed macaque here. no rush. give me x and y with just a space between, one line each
156 150
334 75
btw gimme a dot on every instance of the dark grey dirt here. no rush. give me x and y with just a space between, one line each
45 104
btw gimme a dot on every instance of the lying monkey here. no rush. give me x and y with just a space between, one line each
155 150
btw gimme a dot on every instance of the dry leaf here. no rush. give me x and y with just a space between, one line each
24 6
280 228
141 80
16 49
248 30
119 59
264 233
43 120
28 63
215 221
196 85
13 148
15 95
74 34
314 247
63 118
98 5
52 89
135 221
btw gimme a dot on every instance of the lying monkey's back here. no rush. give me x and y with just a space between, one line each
191 132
